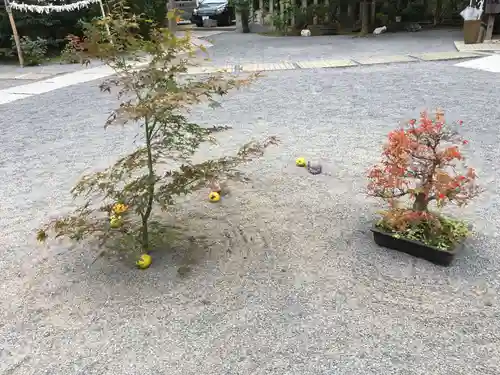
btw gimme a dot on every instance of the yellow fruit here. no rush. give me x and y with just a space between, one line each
115 222
300 162
214 196
144 261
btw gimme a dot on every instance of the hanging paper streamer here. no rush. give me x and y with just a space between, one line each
51 8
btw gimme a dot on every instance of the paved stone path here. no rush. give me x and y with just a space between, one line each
491 46
334 63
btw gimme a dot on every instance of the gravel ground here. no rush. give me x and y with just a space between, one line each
8 83
291 282
231 47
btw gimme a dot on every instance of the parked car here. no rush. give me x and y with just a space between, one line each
218 10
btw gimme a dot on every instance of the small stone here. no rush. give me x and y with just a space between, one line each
183 270
314 167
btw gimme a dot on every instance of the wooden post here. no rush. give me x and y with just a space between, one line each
489 28
293 13
262 12
14 33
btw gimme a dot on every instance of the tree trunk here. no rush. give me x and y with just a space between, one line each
245 20
351 15
437 12
421 203
373 13
365 17
150 187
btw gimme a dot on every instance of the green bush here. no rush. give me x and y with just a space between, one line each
415 13
72 51
34 50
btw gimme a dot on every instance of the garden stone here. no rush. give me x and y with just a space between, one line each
314 167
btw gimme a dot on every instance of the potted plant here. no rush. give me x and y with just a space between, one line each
422 167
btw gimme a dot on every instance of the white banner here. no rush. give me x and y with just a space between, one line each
50 8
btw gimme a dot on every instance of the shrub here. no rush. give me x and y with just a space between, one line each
155 97
34 51
423 162
72 52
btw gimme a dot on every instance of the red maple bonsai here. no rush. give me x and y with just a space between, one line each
423 163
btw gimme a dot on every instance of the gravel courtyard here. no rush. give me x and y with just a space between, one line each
234 48
289 280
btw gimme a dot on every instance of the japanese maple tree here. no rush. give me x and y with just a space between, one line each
423 161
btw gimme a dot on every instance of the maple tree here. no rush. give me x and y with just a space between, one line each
422 162
156 95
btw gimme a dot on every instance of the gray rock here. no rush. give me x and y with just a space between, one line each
314 167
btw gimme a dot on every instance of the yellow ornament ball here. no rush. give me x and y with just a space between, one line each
115 222
214 196
300 162
144 261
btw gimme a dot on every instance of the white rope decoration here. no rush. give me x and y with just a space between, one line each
50 8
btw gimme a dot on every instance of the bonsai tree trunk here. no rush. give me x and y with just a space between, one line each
421 202
365 17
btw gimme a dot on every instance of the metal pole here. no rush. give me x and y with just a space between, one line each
14 33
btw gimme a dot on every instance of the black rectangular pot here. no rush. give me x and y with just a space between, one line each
414 248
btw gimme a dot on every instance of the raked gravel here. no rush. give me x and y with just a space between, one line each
290 281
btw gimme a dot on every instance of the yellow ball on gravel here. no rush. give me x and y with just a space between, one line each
144 261
300 162
214 196
115 222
